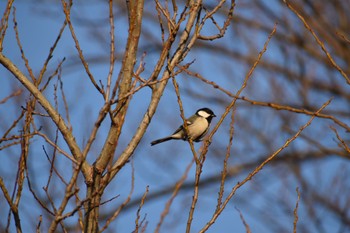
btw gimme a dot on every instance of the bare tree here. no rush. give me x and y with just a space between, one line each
75 130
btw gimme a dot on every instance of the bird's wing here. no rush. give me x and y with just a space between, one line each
178 129
189 121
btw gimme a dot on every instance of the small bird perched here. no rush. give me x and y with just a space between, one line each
197 127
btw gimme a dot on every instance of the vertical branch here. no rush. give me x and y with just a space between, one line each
69 192
296 212
260 167
244 84
137 224
247 228
66 9
54 115
127 200
125 77
319 42
199 167
112 51
26 62
158 89
4 22
173 195
49 56
206 143
179 101
95 189
224 169
13 208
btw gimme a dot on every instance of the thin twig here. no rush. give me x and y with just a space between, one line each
49 56
26 62
259 168
226 23
54 115
54 145
176 190
127 200
247 228
343 143
185 123
227 156
319 42
4 22
137 225
69 192
39 224
112 51
296 212
13 94
67 10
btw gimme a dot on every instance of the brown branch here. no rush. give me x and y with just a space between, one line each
112 51
297 157
296 110
67 10
227 156
49 79
56 147
170 20
56 118
52 169
26 62
137 224
49 56
319 42
4 22
179 101
344 37
13 207
175 191
259 168
226 23
41 203
207 141
59 79
125 77
39 224
13 94
12 126
296 212
247 228
127 200
158 90
343 143
69 192
275 106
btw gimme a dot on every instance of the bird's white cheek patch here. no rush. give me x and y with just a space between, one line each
203 114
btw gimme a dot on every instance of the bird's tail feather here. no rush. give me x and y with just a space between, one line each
161 140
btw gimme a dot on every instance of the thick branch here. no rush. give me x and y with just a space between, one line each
54 115
125 76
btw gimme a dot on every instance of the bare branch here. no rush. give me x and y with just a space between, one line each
296 212
319 42
258 169
57 119
4 22
66 10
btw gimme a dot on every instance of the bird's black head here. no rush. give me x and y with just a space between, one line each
206 113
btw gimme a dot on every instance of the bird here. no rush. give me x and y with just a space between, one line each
197 126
